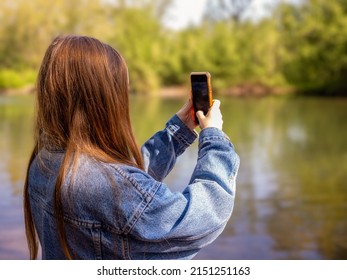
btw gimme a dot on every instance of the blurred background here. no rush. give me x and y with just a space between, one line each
280 70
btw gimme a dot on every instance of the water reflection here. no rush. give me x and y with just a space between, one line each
15 145
292 186
291 196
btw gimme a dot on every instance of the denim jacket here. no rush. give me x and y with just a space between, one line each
115 211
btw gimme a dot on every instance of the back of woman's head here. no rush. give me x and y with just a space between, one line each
82 100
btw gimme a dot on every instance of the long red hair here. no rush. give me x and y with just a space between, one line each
82 107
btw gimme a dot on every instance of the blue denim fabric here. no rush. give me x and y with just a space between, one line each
115 211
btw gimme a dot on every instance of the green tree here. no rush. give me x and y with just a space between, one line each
29 26
315 45
259 49
302 45
137 35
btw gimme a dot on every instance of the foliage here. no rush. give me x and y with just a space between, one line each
304 46
16 79
314 36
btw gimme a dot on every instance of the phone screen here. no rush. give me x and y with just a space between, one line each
200 96
200 93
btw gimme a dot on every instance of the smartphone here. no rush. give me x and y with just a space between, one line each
201 92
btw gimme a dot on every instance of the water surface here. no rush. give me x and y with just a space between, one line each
291 188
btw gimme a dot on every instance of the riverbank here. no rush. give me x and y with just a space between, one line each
179 91
241 90
26 90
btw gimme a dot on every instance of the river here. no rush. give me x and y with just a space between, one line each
291 200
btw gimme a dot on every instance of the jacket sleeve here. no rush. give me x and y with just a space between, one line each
194 218
162 149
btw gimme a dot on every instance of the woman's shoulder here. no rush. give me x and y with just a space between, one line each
110 188
135 176
115 175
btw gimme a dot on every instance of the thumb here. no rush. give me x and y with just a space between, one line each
200 115
215 105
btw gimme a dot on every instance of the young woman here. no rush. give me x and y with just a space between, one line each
90 193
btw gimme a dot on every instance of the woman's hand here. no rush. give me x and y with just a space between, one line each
213 118
186 115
